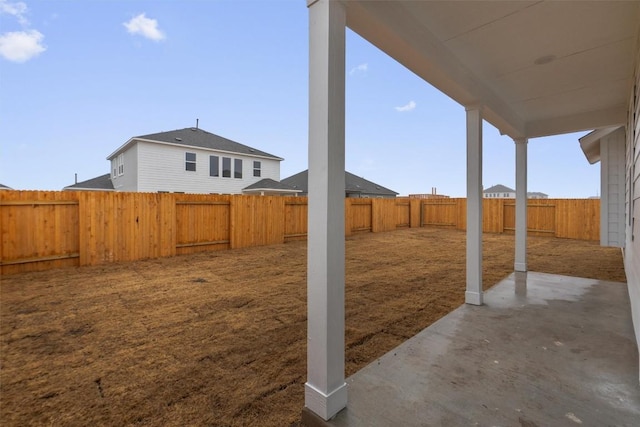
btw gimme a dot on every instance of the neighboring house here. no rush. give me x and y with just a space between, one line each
503 192
100 183
4 187
269 187
499 192
354 186
189 160
537 195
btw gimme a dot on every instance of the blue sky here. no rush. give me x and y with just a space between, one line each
79 78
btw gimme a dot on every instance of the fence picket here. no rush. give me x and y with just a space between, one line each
40 230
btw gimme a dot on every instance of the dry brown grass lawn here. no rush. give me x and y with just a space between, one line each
219 338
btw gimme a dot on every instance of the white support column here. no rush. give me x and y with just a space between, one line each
521 204
325 389
474 206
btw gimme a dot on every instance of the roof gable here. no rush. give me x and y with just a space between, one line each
102 182
590 143
270 184
353 184
356 184
196 137
499 189
537 193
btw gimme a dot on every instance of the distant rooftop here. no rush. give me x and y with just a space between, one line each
499 189
353 184
195 137
537 194
270 184
102 182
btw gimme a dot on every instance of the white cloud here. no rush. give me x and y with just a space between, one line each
145 27
21 46
409 107
362 68
18 9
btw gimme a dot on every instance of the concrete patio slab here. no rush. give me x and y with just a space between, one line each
544 350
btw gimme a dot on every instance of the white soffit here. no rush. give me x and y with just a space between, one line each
538 67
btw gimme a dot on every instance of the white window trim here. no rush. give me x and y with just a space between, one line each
193 162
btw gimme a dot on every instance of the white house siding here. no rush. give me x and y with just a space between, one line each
612 203
632 246
161 167
128 181
499 195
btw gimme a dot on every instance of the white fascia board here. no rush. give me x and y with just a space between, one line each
590 143
195 147
122 148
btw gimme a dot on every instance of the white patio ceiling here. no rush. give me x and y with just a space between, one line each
537 67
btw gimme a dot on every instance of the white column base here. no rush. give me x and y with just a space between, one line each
323 405
473 298
521 283
520 266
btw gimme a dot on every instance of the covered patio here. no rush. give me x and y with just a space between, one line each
543 350
530 69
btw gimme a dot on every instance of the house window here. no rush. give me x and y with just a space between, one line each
256 169
190 162
121 164
114 168
237 168
214 166
226 167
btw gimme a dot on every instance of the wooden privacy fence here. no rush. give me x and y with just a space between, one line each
41 230
564 218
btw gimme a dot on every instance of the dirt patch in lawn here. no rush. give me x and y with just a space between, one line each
219 338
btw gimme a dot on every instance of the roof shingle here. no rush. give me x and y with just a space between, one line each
195 137
102 182
499 189
353 184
